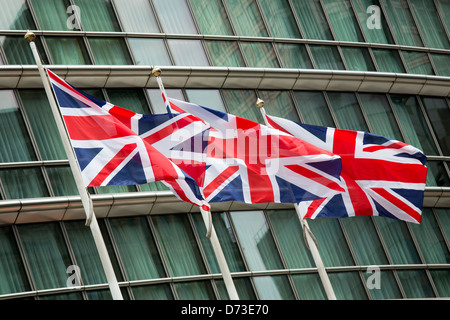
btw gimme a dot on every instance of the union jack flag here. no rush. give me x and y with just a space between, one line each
115 146
382 177
253 163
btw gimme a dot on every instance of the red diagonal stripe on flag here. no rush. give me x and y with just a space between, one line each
398 203
113 164
315 176
213 185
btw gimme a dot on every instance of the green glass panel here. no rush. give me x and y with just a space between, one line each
224 53
154 292
388 288
15 144
86 254
63 296
43 124
380 116
314 108
242 103
347 111
441 279
327 57
205 9
156 101
429 23
444 220
260 55
332 245
312 19
12 272
343 20
46 253
157 56
347 286
279 104
430 240
137 17
17 51
188 52
103 55
438 112
398 242
115 189
154 186
63 183
15 15
67 50
437 175
364 241
418 62
243 286
415 283
293 56
16 187
54 14
100 295
441 63
388 60
289 233
137 248
309 286
256 240
358 59
443 7
97 15
227 241
206 97
273 288
175 21
413 123
246 18
131 99
402 23
371 30
178 245
197 290
280 19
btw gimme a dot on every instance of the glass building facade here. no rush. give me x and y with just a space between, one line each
373 65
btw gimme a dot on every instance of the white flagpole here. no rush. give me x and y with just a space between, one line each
311 242
207 218
91 219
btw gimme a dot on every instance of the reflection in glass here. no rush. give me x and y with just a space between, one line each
314 108
347 111
224 53
246 18
188 52
327 57
388 60
151 52
138 17
174 21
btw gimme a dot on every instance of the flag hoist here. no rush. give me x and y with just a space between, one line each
91 219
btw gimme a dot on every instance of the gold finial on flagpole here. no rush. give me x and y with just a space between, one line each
156 71
30 36
260 103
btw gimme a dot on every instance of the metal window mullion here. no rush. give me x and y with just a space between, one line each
110 235
397 120
311 56
161 254
115 11
24 258
363 112
441 228
416 24
430 127
388 257
441 18
296 105
330 108
203 254
333 34
355 14
228 14
388 22
403 59
72 255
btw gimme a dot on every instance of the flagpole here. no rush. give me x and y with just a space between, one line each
91 219
310 240
207 218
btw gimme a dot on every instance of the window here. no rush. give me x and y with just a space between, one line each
175 21
16 16
312 19
347 111
97 15
279 18
224 53
188 52
358 58
53 15
151 52
418 62
260 55
439 114
103 55
345 25
67 50
246 18
18 51
137 17
327 57
16 187
293 56
15 144
388 60
205 9
314 108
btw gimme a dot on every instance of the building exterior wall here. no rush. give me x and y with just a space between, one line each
372 65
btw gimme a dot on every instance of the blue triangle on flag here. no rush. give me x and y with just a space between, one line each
85 155
290 193
331 167
132 173
197 144
231 192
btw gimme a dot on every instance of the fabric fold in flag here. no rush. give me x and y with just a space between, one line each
252 163
115 146
382 177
